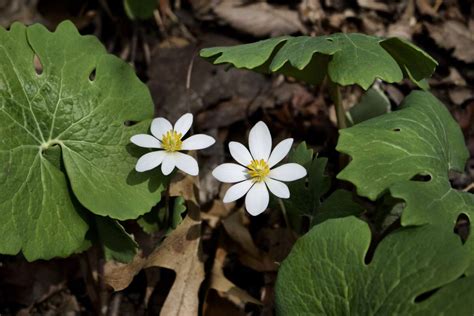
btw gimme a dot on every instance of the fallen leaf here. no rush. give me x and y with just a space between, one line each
311 10
119 275
216 305
459 95
373 5
278 240
259 19
250 255
454 35
224 286
406 25
25 284
465 117
234 226
425 7
18 10
209 85
180 251
232 111
454 78
216 213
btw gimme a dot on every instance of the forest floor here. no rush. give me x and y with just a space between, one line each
240 254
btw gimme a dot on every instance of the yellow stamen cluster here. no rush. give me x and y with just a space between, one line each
258 170
172 141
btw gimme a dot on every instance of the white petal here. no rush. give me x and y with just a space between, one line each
198 141
186 163
160 126
145 141
278 188
257 198
230 173
183 124
150 160
288 172
280 151
240 153
260 141
237 191
168 164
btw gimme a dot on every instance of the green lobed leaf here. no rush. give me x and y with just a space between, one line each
339 204
372 104
63 136
306 195
421 139
117 243
414 62
346 58
163 219
139 9
325 273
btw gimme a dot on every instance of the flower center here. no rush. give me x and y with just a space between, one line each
172 141
258 170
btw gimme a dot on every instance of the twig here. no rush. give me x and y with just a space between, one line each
103 296
469 187
189 72
159 22
188 85
89 280
115 304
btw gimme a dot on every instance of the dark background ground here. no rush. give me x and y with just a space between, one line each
226 103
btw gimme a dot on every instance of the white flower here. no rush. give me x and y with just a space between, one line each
255 174
169 139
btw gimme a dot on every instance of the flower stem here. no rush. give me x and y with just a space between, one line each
293 234
335 93
283 211
167 203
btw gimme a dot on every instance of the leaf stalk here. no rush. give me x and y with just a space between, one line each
335 94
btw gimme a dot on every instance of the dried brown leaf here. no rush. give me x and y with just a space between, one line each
234 225
251 256
311 10
224 286
216 213
407 25
119 275
459 95
454 78
24 283
374 5
259 19
454 35
425 7
180 252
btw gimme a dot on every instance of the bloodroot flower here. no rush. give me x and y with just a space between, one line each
169 140
255 176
